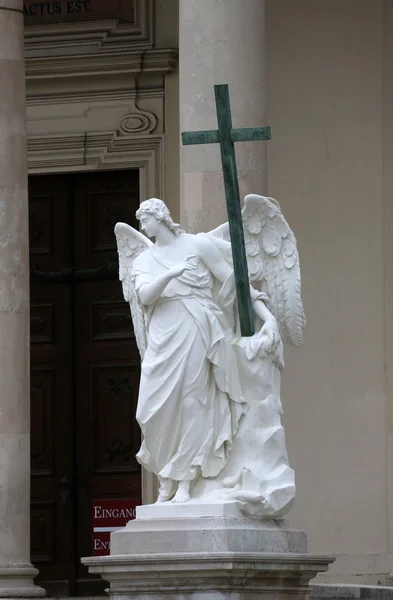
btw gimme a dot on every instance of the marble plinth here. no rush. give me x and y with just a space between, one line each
193 509
192 557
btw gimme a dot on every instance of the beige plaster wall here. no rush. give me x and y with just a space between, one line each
172 148
388 231
325 166
166 29
166 23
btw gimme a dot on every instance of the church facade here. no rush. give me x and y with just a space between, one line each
107 88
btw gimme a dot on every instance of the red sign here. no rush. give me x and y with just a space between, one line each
64 11
108 516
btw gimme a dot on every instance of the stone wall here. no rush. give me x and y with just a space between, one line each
329 164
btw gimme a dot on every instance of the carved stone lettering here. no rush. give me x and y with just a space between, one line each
66 11
113 513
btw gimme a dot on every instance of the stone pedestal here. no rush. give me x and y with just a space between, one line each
220 556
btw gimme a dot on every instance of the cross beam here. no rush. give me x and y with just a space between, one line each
226 136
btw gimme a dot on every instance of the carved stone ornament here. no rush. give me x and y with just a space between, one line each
209 402
141 122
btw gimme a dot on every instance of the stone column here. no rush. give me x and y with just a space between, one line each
16 571
220 41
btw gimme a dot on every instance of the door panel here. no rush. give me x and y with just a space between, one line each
84 369
52 468
101 200
50 222
52 505
107 384
107 377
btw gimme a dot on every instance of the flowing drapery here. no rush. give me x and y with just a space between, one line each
190 399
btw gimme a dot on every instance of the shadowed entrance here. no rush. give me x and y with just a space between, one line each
84 369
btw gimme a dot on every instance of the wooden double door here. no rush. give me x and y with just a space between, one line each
84 369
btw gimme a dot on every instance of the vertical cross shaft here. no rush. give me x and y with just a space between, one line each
232 195
226 136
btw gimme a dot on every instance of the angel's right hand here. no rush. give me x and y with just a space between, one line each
188 264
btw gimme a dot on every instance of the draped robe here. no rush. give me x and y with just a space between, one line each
190 399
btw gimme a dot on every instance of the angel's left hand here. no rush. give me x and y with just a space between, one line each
271 332
265 341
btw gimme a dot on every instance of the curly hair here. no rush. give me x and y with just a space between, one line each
159 209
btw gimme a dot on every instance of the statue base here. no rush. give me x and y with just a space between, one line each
189 556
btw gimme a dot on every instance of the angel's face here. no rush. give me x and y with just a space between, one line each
150 224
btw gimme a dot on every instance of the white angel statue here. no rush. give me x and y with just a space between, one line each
209 400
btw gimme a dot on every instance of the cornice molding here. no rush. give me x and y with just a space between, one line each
101 151
88 149
108 63
37 99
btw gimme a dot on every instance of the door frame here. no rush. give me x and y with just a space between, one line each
118 150
98 151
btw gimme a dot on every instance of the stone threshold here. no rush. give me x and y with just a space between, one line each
320 591
347 591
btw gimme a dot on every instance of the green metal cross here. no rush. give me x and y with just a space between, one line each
226 136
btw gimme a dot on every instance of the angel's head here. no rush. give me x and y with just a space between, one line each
152 214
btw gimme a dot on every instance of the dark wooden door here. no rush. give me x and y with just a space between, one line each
52 413
84 369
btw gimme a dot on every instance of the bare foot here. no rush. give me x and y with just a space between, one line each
183 492
162 497
165 493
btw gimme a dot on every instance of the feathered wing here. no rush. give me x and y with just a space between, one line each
273 261
130 243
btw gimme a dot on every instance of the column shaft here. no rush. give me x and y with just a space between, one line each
220 41
16 571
